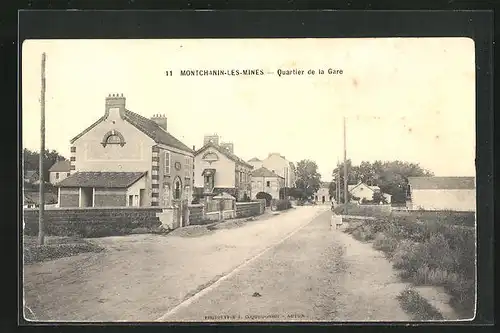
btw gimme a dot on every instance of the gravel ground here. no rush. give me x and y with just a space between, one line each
318 274
142 277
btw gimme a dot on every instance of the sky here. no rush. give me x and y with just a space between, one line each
410 99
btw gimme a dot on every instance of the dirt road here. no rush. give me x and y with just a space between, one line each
142 277
315 275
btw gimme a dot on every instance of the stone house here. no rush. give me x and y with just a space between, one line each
218 170
264 180
278 164
442 193
125 159
323 194
59 171
364 191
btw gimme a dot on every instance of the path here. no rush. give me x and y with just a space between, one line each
142 277
317 274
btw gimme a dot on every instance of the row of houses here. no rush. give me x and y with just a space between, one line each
125 159
422 193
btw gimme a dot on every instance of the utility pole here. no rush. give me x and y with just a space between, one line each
345 170
42 153
337 187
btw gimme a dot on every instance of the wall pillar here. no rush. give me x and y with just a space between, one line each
155 176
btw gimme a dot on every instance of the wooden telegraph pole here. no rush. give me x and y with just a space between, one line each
345 171
41 205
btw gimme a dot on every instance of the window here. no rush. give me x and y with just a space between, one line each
268 183
167 163
113 137
187 166
57 175
68 174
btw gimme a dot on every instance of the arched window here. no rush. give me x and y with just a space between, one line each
113 138
177 189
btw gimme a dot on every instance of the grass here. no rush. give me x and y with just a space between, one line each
417 306
429 252
55 248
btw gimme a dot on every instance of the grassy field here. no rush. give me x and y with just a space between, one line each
427 252
55 247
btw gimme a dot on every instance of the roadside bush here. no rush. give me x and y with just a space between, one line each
283 204
35 253
385 243
428 252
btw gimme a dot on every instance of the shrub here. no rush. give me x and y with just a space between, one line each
404 255
35 253
385 243
283 204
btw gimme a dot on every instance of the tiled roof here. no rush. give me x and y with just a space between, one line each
224 151
442 183
60 166
154 131
148 127
255 159
101 179
264 172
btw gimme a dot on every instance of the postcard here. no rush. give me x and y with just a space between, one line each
249 180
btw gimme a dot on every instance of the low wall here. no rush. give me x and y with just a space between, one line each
368 210
92 222
198 215
448 217
247 209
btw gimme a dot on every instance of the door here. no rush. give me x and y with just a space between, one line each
141 197
323 199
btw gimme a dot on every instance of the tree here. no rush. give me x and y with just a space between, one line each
31 160
308 178
285 192
390 176
378 197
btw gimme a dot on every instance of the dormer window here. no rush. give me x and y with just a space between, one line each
113 138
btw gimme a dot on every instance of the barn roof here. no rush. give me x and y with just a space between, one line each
101 179
442 183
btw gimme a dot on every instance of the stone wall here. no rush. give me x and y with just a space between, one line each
92 222
198 215
247 209
110 197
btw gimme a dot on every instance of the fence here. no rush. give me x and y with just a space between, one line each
199 214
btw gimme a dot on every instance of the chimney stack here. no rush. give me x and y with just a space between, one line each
229 146
161 120
115 101
211 138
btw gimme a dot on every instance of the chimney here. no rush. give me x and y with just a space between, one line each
161 120
228 145
214 138
194 148
115 101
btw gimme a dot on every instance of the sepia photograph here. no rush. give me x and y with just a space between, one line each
249 180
